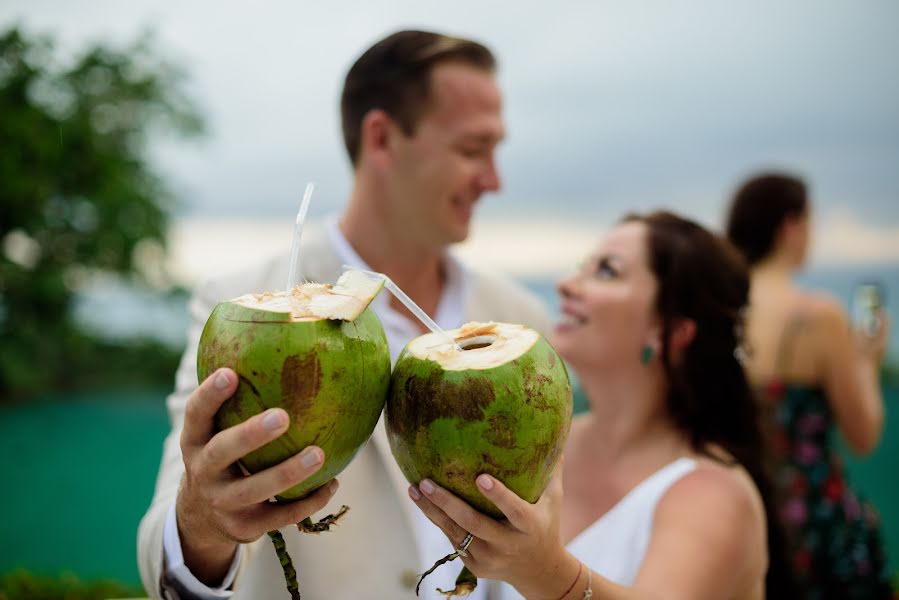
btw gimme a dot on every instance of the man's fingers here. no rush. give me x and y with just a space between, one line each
282 515
274 480
230 445
202 406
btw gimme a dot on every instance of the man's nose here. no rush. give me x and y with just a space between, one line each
489 180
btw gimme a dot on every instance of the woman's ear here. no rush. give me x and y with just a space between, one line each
682 333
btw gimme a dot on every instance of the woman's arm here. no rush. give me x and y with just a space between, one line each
850 367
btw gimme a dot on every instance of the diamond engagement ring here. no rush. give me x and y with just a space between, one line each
463 547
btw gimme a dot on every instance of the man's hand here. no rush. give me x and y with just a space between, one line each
217 508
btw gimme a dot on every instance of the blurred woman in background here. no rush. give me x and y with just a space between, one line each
813 373
662 478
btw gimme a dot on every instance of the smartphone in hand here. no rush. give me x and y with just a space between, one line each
868 299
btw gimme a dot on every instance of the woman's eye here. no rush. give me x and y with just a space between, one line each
605 270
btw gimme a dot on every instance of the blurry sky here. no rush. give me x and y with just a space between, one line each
610 107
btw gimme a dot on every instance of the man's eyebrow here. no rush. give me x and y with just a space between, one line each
483 138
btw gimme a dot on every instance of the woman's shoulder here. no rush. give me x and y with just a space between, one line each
822 307
716 483
717 501
715 511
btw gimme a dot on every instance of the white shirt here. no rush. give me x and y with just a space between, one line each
432 544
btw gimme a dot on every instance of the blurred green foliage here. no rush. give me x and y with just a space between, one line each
23 585
77 195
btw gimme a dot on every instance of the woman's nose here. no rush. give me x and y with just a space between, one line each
566 286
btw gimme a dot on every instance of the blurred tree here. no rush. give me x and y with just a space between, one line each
77 194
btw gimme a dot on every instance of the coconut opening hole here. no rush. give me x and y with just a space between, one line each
480 341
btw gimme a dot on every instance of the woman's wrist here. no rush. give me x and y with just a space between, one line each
559 580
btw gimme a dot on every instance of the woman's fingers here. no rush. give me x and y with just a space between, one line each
452 530
519 512
461 513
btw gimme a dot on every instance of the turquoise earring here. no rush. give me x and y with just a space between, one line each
646 355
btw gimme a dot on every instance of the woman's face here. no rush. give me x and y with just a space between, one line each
608 305
802 238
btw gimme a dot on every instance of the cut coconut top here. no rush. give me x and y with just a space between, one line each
484 345
345 300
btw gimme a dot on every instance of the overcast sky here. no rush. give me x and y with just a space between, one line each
610 106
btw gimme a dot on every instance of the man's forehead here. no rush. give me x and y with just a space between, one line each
458 81
463 92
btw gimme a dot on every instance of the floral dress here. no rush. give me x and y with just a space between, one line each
834 536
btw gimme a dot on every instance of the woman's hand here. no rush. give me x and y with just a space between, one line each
524 550
872 346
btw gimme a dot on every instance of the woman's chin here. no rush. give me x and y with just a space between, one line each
564 339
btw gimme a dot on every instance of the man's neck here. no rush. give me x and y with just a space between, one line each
387 247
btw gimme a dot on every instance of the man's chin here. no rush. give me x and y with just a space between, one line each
458 236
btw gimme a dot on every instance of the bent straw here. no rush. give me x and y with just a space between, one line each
297 234
408 303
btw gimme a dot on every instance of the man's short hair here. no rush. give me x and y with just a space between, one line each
394 75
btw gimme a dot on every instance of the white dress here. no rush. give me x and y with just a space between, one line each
615 544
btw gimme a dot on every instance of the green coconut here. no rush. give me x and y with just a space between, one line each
318 352
500 405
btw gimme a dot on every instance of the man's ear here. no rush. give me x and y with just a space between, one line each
682 333
375 136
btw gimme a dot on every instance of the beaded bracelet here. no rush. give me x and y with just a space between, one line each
580 568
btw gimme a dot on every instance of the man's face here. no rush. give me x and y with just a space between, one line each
440 172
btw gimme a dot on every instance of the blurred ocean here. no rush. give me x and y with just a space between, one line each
115 310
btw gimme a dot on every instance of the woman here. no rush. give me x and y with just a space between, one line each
661 478
811 377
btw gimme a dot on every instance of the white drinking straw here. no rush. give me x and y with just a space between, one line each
297 234
408 303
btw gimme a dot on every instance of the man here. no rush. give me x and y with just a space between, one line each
421 119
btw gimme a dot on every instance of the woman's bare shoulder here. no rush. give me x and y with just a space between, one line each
822 306
718 483
715 509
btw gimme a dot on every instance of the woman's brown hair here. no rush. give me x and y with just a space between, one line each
703 278
760 206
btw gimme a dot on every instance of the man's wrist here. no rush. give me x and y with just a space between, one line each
206 552
179 576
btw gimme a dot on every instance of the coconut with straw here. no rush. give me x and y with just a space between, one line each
319 352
